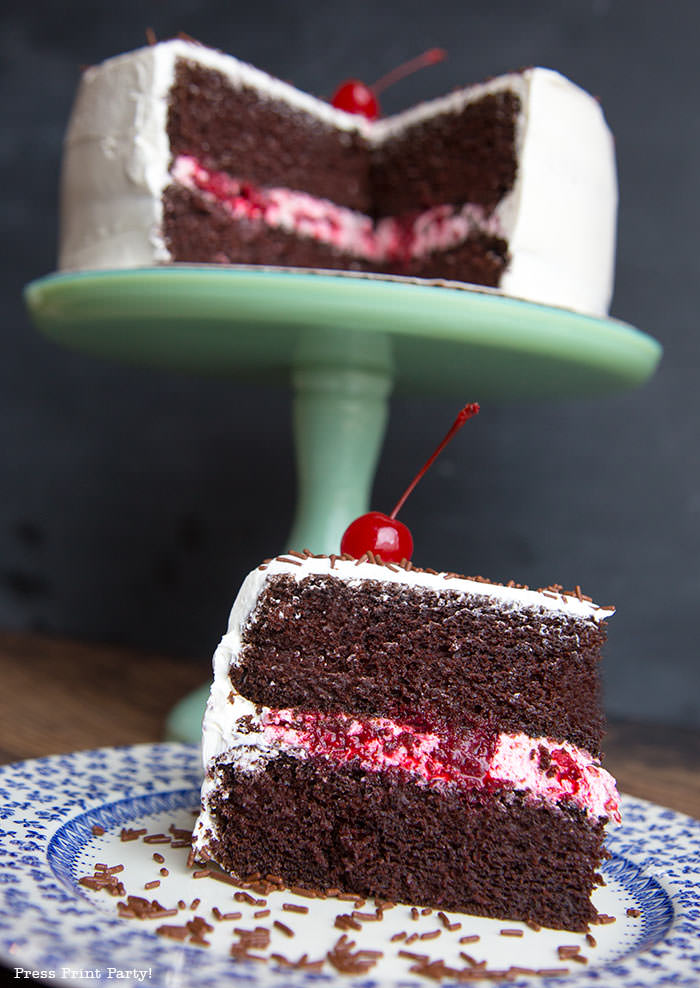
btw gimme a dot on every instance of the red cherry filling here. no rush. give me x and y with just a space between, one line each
382 534
354 96
378 533
434 752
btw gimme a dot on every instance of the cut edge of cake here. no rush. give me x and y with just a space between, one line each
244 739
558 220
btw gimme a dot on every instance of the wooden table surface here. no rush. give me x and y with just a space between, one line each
59 696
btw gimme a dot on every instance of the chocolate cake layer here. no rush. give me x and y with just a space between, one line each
465 156
479 260
376 834
258 139
383 649
201 232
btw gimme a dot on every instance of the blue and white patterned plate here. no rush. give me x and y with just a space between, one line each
64 932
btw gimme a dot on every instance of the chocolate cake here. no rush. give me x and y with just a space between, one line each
421 737
178 153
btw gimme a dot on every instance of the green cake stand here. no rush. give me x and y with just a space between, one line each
344 343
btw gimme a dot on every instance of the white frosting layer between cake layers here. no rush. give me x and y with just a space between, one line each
559 218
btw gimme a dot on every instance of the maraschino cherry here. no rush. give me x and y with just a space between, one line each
383 535
355 96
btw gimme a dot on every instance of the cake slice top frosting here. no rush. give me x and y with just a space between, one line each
300 565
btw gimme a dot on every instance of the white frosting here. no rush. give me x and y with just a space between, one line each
346 569
115 165
559 219
589 786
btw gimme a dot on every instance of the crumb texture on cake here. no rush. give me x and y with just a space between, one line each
245 133
386 650
378 835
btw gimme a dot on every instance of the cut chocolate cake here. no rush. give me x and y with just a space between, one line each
422 737
178 153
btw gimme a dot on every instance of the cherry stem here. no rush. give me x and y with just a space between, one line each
430 57
467 412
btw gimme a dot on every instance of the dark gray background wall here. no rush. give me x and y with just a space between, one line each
134 501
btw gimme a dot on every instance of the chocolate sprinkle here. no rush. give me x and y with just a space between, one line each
257 939
303 964
554 590
179 834
346 922
127 834
245 897
568 951
173 932
136 907
346 960
447 924
413 957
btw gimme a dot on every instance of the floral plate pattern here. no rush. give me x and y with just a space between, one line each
52 925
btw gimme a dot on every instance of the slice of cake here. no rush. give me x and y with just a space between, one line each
418 736
178 153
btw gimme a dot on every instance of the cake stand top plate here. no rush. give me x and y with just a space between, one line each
256 323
